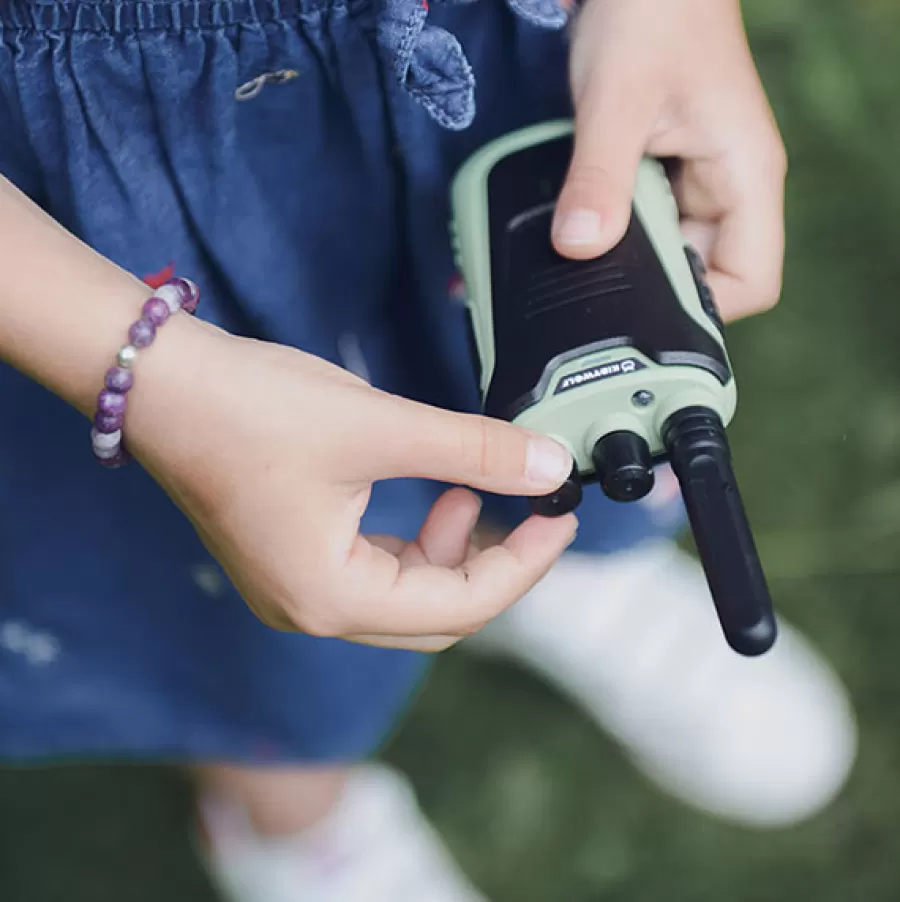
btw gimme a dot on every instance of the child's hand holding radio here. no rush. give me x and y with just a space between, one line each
675 78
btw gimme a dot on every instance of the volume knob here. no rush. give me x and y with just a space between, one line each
624 466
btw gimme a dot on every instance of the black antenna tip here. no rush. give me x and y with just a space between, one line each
754 640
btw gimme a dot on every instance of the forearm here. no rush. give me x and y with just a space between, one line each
64 309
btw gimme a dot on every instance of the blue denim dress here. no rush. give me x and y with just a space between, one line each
293 157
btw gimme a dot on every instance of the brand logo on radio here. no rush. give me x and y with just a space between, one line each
598 373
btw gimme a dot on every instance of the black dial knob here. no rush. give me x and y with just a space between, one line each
563 501
624 466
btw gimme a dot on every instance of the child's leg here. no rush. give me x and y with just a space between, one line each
322 834
279 801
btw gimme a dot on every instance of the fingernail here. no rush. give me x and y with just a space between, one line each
547 463
577 227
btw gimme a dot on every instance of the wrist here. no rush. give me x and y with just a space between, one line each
65 312
163 423
68 346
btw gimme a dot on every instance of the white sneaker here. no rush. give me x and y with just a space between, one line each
374 846
634 639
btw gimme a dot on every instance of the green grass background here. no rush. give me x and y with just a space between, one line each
537 804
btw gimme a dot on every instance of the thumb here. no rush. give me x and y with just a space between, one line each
613 120
415 440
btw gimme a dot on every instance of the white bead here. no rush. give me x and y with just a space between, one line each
107 453
106 440
171 295
127 356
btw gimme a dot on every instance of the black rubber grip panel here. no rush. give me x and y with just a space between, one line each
548 310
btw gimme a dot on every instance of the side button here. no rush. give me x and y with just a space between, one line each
707 301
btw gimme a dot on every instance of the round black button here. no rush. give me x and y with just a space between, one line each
563 501
624 466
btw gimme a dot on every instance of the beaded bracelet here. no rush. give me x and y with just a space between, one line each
106 436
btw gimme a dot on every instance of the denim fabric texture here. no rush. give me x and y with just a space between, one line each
312 212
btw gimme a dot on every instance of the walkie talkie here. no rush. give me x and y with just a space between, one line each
621 359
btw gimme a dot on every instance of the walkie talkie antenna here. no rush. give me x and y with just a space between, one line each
698 451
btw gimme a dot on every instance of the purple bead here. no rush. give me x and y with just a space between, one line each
119 459
118 379
141 333
190 294
108 422
156 311
111 403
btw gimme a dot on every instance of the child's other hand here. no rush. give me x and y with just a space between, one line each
675 78
272 453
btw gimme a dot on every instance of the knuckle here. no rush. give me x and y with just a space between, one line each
773 157
587 175
487 605
318 626
770 288
593 185
272 617
320 604
764 296
770 298
470 629
314 621
478 448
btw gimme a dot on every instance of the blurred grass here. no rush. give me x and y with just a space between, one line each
537 805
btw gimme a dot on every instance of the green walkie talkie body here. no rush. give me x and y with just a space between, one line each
621 359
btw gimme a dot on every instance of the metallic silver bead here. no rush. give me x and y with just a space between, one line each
127 356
